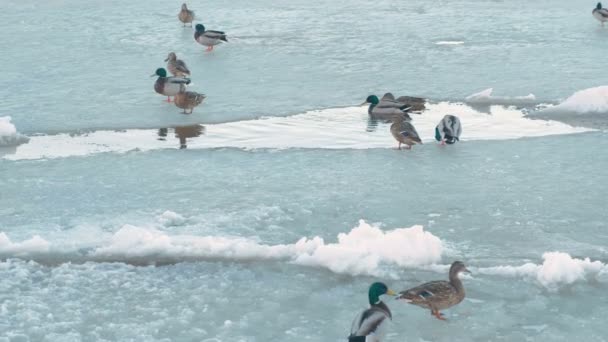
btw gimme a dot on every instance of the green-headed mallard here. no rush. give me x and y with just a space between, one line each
177 67
388 107
448 130
169 86
600 13
208 38
404 132
370 325
186 16
188 100
438 295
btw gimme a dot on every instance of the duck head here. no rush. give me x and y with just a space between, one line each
172 57
160 72
458 267
199 28
598 6
376 290
373 99
184 7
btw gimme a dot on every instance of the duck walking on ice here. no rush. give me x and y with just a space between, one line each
438 295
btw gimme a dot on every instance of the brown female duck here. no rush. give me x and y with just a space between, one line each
187 100
404 132
186 16
438 295
177 67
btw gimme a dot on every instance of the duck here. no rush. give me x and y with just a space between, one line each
404 132
417 103
169 86
208 38
448 130
186 16
438 295
177 67
384 109
600 13
187 100
370 325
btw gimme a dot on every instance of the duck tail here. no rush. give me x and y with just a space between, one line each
405 108
224 38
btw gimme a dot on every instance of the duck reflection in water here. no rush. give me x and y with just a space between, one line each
182 133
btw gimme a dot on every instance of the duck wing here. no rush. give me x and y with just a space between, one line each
427 293
181 66
178 80
368 322
215 35
390 104
603 12
194 97
409 131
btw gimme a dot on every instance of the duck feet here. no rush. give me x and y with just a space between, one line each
168 98
438 315
209 48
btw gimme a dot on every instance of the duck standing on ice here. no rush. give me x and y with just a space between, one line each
600 13
187 100
448 130
177 67
404 132
186 16
438 295
169 86
208 38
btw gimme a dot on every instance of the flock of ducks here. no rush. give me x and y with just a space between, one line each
176 85
388 108
371 324
398 112
436 295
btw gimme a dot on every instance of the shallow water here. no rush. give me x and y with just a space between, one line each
266 214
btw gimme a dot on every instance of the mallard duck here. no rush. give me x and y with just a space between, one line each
417 103
186 16
600 13
438 295
177 67
384 109
188 100
169 86
208 38
448 130
370 325
404 132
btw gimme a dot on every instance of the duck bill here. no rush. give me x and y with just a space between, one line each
364 103
167 59
466 270
391 292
